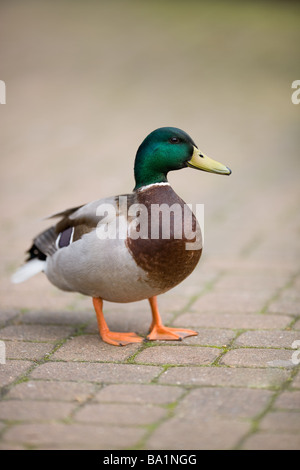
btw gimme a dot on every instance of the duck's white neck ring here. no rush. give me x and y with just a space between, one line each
147 186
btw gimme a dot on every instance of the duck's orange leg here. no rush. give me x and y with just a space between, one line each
112 337
160 332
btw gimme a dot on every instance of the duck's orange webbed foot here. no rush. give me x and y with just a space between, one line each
164 333
112 337
160 332
120 339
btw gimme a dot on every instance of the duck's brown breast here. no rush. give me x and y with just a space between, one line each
171 247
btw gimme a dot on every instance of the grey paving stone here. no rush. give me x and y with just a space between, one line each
35 332
63 317
55 391
234 300
288 400
233 320
25 410
4 446
211 337
12 370
255 357
6 316
271 441
27 350
214 434
177 355
296 381
297 325
128 414
224 403
74 436
92 348
269 339
96 372
285 306
282 421
288 302
253 280
225 376
139 394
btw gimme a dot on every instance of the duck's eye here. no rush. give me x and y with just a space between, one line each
174 140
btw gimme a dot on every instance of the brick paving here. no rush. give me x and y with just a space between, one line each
235 385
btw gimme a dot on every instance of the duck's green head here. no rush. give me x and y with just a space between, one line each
167 149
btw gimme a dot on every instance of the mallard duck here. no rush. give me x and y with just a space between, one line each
115 249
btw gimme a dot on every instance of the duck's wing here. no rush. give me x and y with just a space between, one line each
64 213
44 244
73 224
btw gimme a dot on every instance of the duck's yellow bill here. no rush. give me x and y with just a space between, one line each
202 162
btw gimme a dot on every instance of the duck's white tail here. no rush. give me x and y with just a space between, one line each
31 268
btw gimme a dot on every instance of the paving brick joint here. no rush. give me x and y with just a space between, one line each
237 384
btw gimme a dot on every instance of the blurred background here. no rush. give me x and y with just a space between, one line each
87 81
